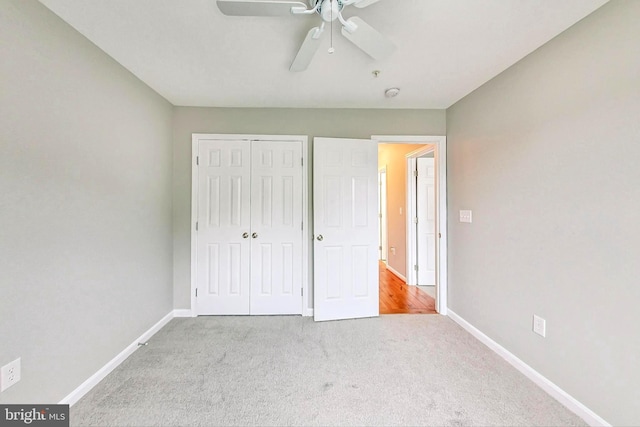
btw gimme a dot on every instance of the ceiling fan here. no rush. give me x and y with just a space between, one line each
354 29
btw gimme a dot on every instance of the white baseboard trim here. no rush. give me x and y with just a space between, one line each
308 312
94 379
556 392
394 271
183 312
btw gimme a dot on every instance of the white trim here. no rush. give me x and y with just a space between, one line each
394 271
94 379
307 239
195 138
185 312
440 155
552 389
406 139
442 257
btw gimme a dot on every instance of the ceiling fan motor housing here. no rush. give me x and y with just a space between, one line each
328 9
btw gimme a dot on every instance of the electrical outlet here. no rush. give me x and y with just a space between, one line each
9 374
539 326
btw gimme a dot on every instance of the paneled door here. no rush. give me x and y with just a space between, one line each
224 180
249 234
426 227
276 227
345 205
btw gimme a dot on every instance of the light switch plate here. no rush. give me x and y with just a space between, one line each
465 216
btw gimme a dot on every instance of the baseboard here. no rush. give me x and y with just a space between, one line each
183 312
94 379
308 312
556 392
391 269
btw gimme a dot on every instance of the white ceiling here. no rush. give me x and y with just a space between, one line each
193 55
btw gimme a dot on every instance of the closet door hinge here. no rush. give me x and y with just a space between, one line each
301 292
415 173
301 161
415 267
196 225
196 292
197 160
415 220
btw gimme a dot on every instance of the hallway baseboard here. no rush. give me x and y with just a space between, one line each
394 271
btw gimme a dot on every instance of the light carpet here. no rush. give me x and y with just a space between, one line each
288 370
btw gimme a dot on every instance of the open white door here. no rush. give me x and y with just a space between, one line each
382 214
345 189
426 227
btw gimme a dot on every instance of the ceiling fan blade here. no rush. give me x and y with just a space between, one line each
364 3
368 39
307 50
258 8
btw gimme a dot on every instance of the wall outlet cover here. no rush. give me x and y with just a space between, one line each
539 326
9 374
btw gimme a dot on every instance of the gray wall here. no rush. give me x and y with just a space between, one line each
546 155
357 123
85 204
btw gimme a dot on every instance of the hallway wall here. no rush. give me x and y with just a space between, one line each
393 156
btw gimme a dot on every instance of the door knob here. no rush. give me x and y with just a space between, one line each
254 235
245 235
319 237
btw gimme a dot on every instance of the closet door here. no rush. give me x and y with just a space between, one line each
276 227
223 242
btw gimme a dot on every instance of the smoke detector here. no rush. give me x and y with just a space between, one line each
391 92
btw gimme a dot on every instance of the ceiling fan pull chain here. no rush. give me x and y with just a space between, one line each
331 49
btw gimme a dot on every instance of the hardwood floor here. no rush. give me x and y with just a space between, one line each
397 297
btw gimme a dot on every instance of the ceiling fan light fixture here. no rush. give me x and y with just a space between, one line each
392 92
354 29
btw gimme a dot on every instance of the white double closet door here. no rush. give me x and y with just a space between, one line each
249 237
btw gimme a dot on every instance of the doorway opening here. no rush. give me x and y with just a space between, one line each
413 274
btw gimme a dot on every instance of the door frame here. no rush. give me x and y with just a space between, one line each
304 140
440 160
